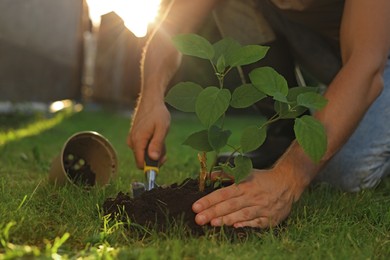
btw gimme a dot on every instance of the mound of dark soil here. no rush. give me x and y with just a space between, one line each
161 206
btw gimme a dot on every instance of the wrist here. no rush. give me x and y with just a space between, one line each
154 87
156 83
297 168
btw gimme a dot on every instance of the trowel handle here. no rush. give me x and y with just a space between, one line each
149 163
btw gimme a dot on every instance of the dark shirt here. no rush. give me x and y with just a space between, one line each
323 16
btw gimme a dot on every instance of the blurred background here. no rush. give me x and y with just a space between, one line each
89 50
72 49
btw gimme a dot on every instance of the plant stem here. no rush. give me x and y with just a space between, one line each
235 150
273 119
220 80
277 117
203 170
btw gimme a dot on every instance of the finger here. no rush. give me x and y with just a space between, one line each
132 146
156 145
260 222
137 140
216 197
216 214
129 141
139 151
220 209
162 157
243 213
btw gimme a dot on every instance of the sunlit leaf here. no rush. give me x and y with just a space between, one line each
225 47
194 45
247 55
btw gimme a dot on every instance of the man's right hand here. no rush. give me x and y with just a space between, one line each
150 125
160 62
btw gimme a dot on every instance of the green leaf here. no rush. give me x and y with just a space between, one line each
252 137
199 141
247 55
243 166
218 137
225 47
311 135
278 96
226 169
221 64
311 100
211 104
294 92
285 110
245 96
194 45
183 95
270 82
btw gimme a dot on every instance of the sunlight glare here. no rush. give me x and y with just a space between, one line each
136 14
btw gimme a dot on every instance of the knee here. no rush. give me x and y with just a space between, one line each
354 175
358 179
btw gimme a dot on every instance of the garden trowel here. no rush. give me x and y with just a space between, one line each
151 170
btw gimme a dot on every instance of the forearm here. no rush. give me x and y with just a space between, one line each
365 45
349 96
159 63
160 59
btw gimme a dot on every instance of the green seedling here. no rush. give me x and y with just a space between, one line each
211 103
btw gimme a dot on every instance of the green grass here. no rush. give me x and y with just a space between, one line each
40 219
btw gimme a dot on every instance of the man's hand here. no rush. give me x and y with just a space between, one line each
263 200
150 125
159 64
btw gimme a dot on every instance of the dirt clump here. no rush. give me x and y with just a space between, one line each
162 206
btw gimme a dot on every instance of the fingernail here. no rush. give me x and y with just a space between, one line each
196 207
216 222
200 219
155 155
238 225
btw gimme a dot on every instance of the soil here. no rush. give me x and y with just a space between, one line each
162 206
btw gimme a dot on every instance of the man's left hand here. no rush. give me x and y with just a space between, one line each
263 200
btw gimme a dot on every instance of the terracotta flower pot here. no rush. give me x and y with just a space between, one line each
86 159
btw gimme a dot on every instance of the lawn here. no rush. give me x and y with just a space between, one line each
41 219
